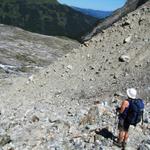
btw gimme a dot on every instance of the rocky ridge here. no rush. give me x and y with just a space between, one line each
54 108
129 6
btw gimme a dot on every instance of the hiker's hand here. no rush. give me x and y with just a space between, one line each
117 109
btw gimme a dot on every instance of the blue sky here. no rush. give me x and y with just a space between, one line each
95 4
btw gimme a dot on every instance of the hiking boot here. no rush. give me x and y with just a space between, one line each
119 144
124 144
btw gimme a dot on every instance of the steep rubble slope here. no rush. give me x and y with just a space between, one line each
22 51
51 109
130 5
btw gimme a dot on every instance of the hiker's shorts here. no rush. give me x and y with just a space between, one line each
123 125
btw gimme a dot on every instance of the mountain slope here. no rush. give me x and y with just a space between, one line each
130 6
23 51
53 109
95 13
45 17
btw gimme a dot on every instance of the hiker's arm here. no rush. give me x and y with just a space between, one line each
124 105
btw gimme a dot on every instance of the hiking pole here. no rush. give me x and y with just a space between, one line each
116 120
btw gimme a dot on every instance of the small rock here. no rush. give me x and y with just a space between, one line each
91 127
141 20
115 76
86 44
118 93
124 58
88 56
91 67
97 142
146 40
4 139
35 119
97 73
69 67
77 143
126 23
91 79
31 78
128 39
83 79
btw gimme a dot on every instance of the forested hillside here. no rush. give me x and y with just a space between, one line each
46 17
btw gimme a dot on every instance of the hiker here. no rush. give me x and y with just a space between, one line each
130 113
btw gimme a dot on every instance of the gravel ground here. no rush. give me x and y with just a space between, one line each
53 109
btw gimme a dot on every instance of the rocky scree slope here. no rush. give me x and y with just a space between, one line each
24 52
130 6
54 108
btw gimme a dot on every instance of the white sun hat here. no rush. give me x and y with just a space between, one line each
131 92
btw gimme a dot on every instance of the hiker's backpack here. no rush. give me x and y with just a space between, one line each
135 111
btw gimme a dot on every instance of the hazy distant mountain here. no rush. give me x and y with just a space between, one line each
95 13
46 17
